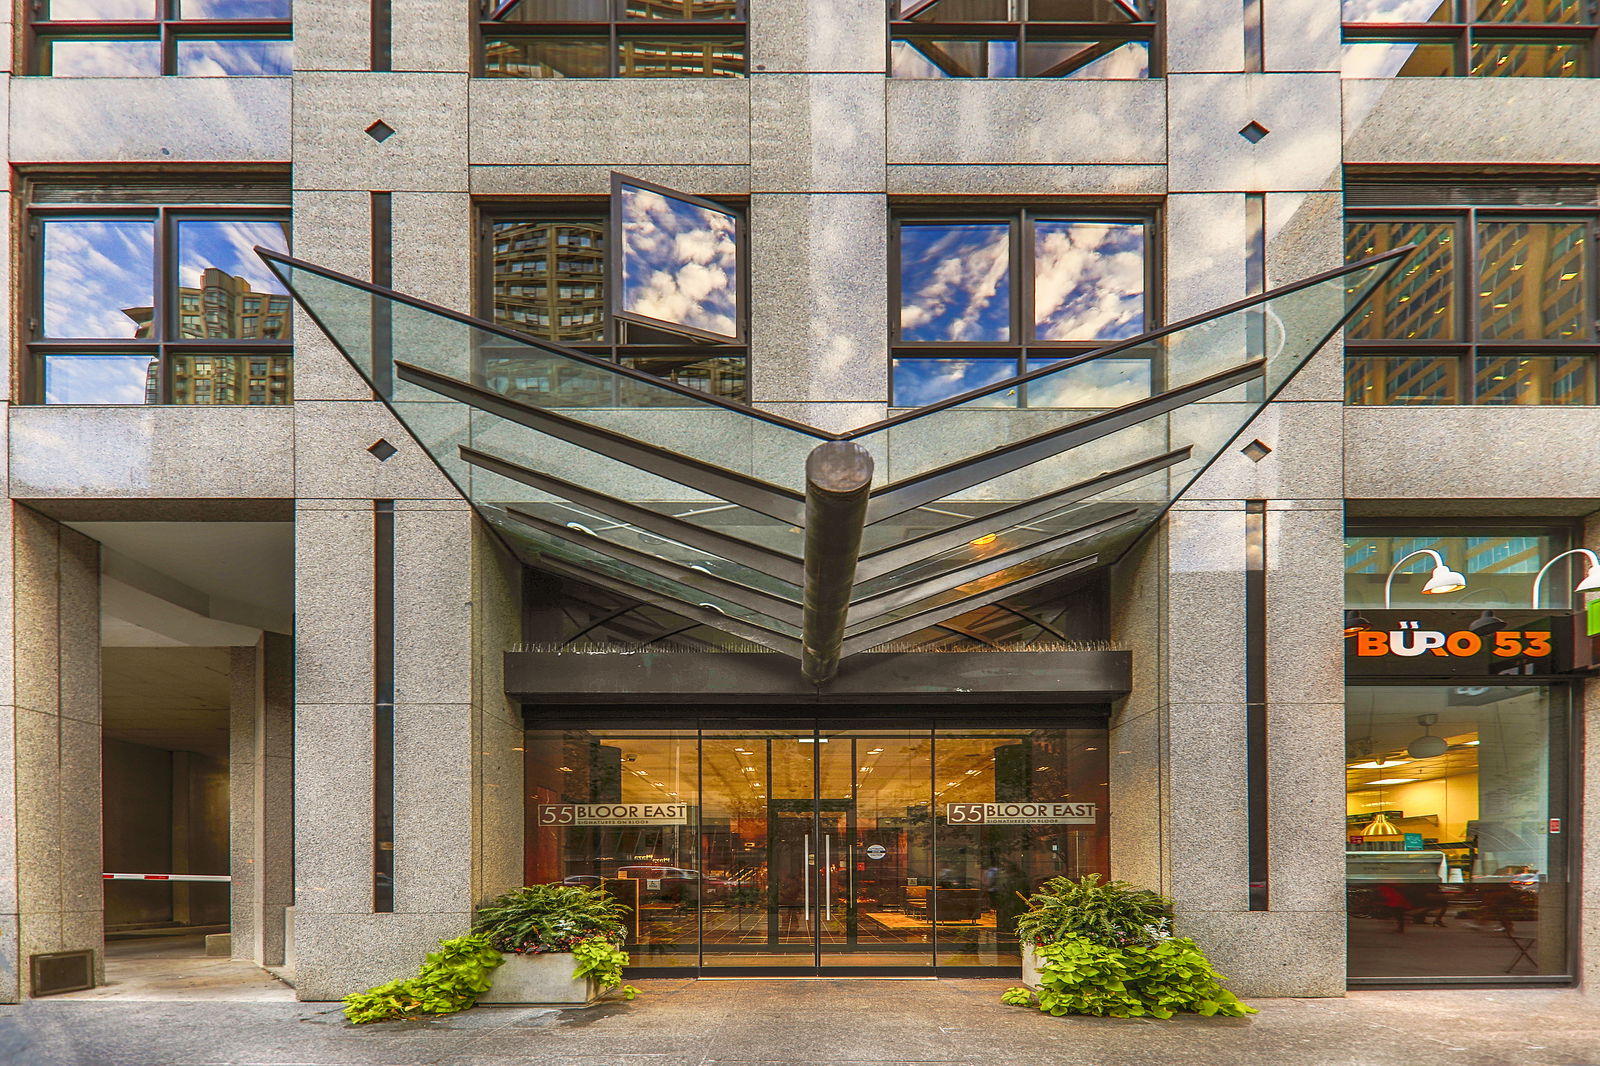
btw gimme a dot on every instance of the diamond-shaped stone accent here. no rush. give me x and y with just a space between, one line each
1254 132
380 131
382 450
1255 451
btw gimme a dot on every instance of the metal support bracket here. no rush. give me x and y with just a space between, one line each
838 478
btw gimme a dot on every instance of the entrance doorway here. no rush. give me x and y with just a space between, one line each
818 848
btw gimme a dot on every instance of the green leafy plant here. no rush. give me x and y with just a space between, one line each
1112 914
542 918
603 960
451 979
1078 976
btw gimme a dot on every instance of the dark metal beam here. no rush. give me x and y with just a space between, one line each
903 495
885 560
838 478
771 500
765 560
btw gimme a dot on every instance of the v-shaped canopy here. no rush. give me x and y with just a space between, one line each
817 544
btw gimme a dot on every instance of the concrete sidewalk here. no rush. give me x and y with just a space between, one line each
832 1022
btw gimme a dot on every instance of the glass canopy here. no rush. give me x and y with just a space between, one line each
599 471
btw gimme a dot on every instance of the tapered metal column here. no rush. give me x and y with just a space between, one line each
838 477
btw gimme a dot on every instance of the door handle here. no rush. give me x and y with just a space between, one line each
827 876
805 879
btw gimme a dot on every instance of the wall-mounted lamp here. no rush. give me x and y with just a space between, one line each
1486 623
1443 580
1590 582
1354 623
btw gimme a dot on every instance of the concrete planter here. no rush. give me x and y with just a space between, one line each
1030 966
543 979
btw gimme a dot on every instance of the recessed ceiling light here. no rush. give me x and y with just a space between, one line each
1394 781
1377 764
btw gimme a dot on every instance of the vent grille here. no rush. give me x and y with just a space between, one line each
61 971
1471 194
257 189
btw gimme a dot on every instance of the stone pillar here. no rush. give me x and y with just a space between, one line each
261 799
51 897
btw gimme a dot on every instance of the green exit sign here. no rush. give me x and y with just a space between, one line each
1593 628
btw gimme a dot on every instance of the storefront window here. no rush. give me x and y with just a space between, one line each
1498 563
829 850
1456 829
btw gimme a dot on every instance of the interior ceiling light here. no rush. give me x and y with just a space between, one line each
1380 826
1354 623
1377 764
1443 580
1590 582
1427 746
1394 781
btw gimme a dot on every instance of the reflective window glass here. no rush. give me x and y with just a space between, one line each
99 277
1548 12
682 57
100 379
719 377
1398 59
234 57
959 10
222 10
918 382
955 281
547 57
216 379
1086 59
680 262
1418 302
100 58
942 57
1098 384
1534 379
1499 565
101 10
1399 11
550 277
1089 280
1382 381
1089 10
1532 283
1451 865
556 11
680 9
217 263
1529 59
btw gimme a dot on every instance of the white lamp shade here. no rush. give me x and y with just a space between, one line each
1427 747
1444 580
1590 582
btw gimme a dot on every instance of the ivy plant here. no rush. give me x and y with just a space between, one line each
1113 914
603 960
451 979
1159 979
536 919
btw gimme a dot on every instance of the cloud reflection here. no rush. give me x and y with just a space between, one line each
105 59
93 272
918 382
1088 280
230 247
1395 10
679 262
96 379
235 58
955 282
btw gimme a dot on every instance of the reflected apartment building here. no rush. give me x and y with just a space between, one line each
814 471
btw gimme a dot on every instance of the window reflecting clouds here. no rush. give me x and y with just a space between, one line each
1396 11
1088 280
101 10
100 379
97 276
237 295
680 262
918 382
234 57
1098 384
220 10
1480 38
96 58
955 281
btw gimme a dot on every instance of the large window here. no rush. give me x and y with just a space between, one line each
983 297
158 305
1481 38
1498 561
137 38
613 38
669 301
1497 306
1103 39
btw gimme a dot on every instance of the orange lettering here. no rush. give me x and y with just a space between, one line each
1464 643
1371 642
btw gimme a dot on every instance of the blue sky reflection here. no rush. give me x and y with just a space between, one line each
235 58
918 382
1089 280
955 281
679 262
105 59
230 246
92 272
96 379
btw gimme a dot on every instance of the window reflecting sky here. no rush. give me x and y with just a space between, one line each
1399 10
234 57
1099 383
679 262
101 10
233 9
93 273
97 379
1088 280
105 59
923 381
230 246
955 281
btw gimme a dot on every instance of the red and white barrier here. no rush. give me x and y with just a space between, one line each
167 877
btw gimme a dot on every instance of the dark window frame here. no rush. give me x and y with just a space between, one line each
1469 346
1022 218
616 345
617 31
165 343
167 29
902 24
1464 30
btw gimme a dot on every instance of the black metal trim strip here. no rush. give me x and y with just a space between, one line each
768 499
739 627
383 662
923 619
868 607
903 495
1255 701
382 310
886 560
774 606
766 560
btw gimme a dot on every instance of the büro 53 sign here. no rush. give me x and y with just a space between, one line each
1460 643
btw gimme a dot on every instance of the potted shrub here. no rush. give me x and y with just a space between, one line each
561 944
1113 913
